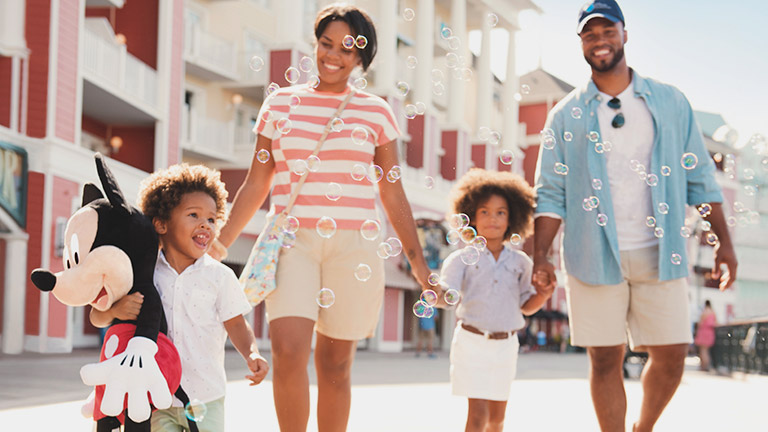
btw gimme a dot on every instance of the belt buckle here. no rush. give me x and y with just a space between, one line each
487 334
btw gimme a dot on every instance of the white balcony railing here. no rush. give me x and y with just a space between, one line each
210 52
207 136
244 137
110 65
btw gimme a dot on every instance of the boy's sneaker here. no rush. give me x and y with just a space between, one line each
432 355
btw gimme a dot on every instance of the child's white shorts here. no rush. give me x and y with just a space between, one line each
482 368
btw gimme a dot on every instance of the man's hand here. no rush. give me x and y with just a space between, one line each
128 307
258 366
725 255
543 277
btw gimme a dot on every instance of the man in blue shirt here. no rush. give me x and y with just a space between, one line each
619 161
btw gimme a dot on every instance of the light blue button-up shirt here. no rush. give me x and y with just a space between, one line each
591 251
492 291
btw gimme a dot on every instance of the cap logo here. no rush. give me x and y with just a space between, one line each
599 5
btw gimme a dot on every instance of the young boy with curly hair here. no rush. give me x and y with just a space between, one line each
495 293
202 298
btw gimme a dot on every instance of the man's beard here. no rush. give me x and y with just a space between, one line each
600 68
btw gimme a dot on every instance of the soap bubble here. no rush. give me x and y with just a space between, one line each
256 63
363 272
195 410
689 161
325 298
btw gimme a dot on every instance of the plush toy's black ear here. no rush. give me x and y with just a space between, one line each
90 194
109 183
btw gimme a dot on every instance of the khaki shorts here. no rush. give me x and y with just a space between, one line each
314 263
174 419
653 312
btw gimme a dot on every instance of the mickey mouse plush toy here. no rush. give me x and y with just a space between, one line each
110 251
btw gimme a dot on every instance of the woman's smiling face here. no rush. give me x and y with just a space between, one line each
335 62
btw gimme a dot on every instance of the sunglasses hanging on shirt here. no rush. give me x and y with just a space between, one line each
618 120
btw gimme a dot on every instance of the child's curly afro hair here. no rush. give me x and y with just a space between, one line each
162 191
478 185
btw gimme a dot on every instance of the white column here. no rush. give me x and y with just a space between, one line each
509 138
289 15
79 75
164 80
53 57
457 87
425 52
484 77
15 281
386 56
15 91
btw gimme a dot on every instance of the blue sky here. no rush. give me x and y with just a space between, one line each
716 52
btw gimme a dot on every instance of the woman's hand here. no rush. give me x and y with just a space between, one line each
217 250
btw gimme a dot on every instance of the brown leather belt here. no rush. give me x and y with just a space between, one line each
494 335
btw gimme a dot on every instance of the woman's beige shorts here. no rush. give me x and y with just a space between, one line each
315 262
654 312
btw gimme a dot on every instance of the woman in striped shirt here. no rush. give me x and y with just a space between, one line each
336 241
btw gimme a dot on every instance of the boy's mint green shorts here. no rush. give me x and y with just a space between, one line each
173 419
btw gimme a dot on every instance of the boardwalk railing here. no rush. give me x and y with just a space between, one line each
742 347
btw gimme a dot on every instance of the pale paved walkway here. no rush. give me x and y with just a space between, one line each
397 392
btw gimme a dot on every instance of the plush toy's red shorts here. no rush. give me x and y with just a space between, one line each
167 359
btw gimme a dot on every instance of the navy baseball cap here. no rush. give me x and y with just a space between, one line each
607 9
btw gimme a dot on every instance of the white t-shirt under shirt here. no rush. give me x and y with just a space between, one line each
338 155
196 304
631 195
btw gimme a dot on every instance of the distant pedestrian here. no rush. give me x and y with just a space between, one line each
705 335
565 337
541 339
427 329
496 290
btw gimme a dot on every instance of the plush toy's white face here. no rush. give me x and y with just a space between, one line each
97 277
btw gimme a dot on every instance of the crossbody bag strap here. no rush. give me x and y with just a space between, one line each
295 193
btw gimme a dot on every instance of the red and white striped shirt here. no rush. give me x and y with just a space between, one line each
338 155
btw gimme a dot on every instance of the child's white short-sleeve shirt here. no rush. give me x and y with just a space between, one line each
197 302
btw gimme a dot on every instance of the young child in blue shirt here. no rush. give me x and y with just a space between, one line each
496 291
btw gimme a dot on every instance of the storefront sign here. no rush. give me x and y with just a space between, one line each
13 182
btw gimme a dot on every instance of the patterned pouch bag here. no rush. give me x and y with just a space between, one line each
258 276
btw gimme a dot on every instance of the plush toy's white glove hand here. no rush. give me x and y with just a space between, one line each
134 372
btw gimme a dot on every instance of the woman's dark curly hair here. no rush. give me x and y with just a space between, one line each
478 185
162 191
359 22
